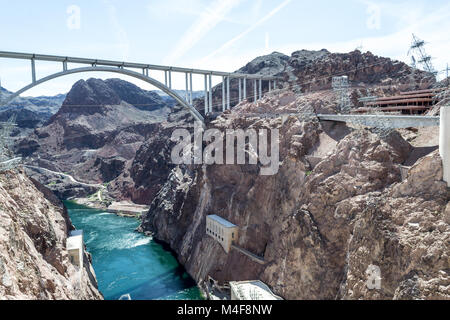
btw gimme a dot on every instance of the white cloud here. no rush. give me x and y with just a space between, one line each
210 17
121 34
168 9
432 26
248 30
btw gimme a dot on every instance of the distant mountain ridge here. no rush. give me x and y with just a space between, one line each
97 131
30 112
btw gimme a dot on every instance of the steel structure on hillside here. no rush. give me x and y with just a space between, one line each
418 48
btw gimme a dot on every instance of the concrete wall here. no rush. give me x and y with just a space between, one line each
74 255
384 121
222 234
444 142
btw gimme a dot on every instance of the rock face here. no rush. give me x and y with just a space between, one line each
320 226
95 134
148 172
313 70
29 112
272 64
308 71
34 261
112 132
335 214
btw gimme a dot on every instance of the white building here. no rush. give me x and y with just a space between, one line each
222 231
251 290
75 246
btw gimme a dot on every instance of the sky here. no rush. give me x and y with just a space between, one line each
208 34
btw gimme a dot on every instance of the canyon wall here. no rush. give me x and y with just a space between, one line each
336 208
34 261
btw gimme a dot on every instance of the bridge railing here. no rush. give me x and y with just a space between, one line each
115 66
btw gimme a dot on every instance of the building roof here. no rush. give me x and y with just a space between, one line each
253 290
222 221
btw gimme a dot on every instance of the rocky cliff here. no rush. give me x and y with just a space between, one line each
29 112
336 209
111 132
309 71
34 261
95 134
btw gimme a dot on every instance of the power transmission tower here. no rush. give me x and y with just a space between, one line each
420 56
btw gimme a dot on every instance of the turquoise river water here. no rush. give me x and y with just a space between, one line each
127 262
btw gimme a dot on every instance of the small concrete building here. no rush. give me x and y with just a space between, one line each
251 290
75 246
221 230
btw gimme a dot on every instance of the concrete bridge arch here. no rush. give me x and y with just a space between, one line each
197 116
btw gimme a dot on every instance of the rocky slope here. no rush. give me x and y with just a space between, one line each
336 208
367 73
142 179
111 131
34 261
308 71
96 132
313 70
29 112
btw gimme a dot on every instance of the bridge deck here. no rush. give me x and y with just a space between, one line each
122 64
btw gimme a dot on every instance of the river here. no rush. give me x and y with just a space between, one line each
127 262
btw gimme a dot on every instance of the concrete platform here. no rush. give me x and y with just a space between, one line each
384 121
128 209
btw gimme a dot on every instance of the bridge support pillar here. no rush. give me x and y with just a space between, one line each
256 90
206 94
245 88
190 89
187 86
240 90
228 93
165 78
260 88
444 141
170 79
210 93
223 94
33 71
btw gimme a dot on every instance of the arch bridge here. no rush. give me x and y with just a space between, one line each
130 69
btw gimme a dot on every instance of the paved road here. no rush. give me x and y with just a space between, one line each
11 161
96 185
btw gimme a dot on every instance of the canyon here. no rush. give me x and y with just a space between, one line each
34 259
337 206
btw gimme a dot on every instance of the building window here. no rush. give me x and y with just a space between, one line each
232 235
